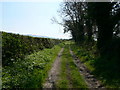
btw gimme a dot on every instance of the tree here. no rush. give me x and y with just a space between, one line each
102 14
81 19
73 19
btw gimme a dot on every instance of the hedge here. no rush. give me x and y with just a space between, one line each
16 46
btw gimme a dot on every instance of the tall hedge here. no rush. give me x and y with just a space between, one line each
15 46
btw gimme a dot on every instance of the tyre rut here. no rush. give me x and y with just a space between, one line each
91 81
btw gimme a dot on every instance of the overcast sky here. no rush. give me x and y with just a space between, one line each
31 18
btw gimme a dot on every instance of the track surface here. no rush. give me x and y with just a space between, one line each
54 73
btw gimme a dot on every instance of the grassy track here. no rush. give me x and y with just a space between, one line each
70 76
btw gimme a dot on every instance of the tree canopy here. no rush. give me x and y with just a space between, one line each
87 20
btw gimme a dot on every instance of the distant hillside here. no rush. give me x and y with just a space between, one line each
39 36
31 35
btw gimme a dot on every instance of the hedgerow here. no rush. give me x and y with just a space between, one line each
15 46
31 71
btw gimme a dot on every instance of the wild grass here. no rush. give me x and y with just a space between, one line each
105 67
30 72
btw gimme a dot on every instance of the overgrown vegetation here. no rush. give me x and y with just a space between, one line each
31 71
95 21
15 46
69 75
105 68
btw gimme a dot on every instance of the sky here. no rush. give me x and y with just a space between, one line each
31 18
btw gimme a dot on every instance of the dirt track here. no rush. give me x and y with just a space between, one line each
54 72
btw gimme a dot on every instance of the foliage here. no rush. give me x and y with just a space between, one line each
72 13
99 21
31 71
102 13
15 46
105 67
95 20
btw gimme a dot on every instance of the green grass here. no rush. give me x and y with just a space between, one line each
69 75
85 54
105 68
30 72
63 82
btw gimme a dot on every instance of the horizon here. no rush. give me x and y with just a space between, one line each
34 35
32 18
